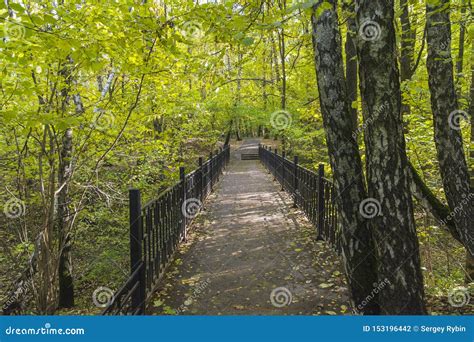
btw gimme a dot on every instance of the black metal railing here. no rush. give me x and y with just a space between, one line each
312 192
157 228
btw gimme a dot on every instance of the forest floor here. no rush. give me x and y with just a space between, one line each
250 252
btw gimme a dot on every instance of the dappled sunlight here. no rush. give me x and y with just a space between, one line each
248 243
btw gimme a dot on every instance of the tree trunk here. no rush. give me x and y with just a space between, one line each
388 175
462 36
407 48
63 218
264 77
281 45
469 257
432 204
229 133
357 245
239 78
282 53
237 129
446 116
471 111
275 62
351 61
66 287
46 287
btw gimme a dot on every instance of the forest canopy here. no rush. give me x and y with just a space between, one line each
100 96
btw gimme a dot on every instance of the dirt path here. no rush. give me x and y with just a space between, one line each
250 253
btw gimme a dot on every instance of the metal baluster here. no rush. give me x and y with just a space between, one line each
136 257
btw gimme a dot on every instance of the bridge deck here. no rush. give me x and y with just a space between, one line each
249 253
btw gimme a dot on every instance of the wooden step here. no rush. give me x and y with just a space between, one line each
249 156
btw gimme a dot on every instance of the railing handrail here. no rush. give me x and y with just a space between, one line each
161 194
157 228
319 205
289 160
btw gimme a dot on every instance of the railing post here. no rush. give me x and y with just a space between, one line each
221 160
201 180
182 178
283 155
275 177
269 160
320 201
210 170
218 167
295 181
136 260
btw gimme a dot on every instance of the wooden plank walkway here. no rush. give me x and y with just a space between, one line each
250 253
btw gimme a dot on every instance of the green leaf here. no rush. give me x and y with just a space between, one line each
247 41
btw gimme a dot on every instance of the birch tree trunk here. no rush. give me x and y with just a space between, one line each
407 48
390 202
357 247
446 117
66 286
351 60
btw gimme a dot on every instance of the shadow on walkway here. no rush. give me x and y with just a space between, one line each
250 253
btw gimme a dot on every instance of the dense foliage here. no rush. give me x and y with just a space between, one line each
140 88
